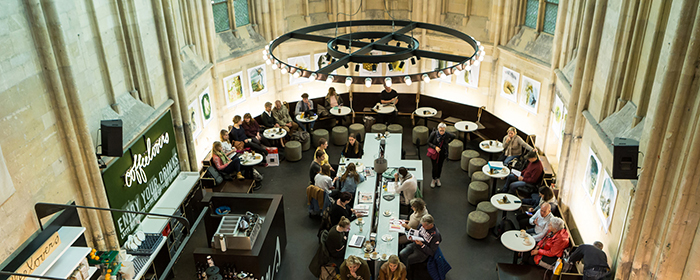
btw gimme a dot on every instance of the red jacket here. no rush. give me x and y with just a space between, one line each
252 129
552 245
532 172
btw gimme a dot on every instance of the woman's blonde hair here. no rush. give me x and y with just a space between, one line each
326 169
215 151
236 119
353 261
513 129
331 92
418 203
221 135
343 222
393 259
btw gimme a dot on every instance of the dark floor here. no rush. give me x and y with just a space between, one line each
469 258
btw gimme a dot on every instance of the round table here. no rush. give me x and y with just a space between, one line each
274 133
344 111
514 241
492 147
245 161
306 121
513 204
425 113
499 174
466 127
384 108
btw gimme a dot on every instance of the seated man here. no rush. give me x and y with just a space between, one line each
540 220
529 176
595 263
389 96
281 115
304 106
267 120
419 251
551 247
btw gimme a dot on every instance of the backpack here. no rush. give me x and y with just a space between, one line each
301 136
213 173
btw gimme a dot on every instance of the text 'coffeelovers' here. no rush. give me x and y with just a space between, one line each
141 161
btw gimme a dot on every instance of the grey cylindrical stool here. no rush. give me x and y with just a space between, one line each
292 151
480 177
454 150
478 225
306 145
317 135
340 135
466 157
478 192
378 128
453 130
421 133
395 128
489 209
357 128
475 165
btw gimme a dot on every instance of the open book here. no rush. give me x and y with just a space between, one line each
516 172
412 234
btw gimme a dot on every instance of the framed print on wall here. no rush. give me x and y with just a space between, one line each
605 204
195 117
322 60
257 80
509 84
592 175
206 108
469 78
302 62
531 95
371 69
233 89
558 111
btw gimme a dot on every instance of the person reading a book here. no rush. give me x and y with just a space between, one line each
354 268
529 176
405 185
337 238
426 240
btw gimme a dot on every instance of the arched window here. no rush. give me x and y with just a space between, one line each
230 14
541 15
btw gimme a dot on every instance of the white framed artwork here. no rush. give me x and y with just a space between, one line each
257 80
195 118
371 69
509 84
605 204
322 60
558 115
469 78
531 94
206 108
591 177
302 62
233 89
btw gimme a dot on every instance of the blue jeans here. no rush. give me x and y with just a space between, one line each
303 125
509 159
512 184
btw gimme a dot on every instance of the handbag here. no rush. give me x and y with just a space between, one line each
432 153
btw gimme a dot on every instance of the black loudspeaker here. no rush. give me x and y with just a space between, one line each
625 158
111 138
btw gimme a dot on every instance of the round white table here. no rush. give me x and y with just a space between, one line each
425 113
274 133
344 111
249 160
384 108
514 240
492 147
498 174
466 127
513 204
307 121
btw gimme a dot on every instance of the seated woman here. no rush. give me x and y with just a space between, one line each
419 210
513 146
252 130
337 238
353 149
223 163
340 208
238 134
323 178
393 269
350 179
332 100
226 143
406 185
551 247
354 268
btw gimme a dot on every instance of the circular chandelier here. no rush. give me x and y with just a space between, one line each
358 46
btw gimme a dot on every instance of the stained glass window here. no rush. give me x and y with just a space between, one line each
240 8
550 16
531 13
221 17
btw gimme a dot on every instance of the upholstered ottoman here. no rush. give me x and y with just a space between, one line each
454 150
453 130
480 177
356 129
478 192
420 133
306 145
478 225
292 151
489 209
317 135
378 128
466 157
475 165
395 128
340 135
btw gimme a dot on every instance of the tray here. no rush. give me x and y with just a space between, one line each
148 245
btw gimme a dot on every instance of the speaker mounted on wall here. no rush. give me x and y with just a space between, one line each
625 159
111 138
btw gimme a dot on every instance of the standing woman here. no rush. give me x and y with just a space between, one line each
353 149
223 163
238 134
252 130
438 140
322 146
513 146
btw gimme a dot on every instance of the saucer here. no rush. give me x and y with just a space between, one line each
387 238
387 214
374 257
384 259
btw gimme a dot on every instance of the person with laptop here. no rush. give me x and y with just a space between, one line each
305 106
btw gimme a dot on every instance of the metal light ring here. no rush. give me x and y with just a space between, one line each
362 58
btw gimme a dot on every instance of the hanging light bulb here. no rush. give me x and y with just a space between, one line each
265 52
267 47
348 81
407 80
268 62
329 79
426 78
297 74
387 81
481 58
368 82
442 74
468 67
283 69
275 66
264 57
313 76
478 43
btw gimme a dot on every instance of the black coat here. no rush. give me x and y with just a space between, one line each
433 141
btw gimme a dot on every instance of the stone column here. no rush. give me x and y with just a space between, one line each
556 46
633 56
